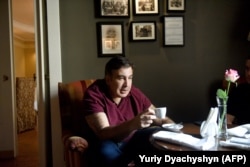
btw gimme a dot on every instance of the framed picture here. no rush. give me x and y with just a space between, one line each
146 7
173 30
113 8
176 5
110 39
143 31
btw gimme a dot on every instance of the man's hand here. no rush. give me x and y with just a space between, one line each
145 119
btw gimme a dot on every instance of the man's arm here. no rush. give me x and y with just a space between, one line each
159 122
99 123
230 118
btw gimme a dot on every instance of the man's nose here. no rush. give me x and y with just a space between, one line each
125 82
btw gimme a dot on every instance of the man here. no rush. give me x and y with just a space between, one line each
239 99
119 116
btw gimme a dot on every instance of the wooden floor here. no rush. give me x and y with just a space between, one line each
27 151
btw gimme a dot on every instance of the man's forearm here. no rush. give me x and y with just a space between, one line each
118 132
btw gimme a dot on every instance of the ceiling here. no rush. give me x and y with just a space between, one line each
23 19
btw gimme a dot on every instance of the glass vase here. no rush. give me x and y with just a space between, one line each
222 118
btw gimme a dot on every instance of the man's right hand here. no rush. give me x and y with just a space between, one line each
145 119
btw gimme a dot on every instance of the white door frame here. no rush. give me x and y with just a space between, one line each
49 74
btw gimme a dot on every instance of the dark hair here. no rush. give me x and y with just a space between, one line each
116 63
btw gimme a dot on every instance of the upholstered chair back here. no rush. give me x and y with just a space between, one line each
70 102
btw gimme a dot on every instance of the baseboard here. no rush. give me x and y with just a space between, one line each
6 154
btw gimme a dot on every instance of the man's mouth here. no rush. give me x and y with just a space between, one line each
124 91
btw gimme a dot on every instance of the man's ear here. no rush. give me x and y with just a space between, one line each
107 79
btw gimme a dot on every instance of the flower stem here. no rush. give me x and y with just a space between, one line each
223 115
228 86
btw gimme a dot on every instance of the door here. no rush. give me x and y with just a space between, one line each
47 43
7 98
44 135
8 144
49 74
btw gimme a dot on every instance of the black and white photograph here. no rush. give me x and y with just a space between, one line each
114 8
110 39
175 5
143 31
146 7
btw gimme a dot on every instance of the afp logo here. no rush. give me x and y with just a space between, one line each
234 159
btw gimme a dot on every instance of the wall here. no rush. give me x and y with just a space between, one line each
24 58
30 62
19 58
184 79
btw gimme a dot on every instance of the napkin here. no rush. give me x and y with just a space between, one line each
240 140
209 128
247 126
240 137
238 131
186 140
228 143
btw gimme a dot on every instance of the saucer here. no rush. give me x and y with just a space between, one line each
173 127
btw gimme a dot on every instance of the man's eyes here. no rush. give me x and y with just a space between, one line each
121 77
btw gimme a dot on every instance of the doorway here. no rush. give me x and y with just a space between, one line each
25 61
47 17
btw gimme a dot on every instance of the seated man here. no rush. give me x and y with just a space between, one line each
119 116
239 100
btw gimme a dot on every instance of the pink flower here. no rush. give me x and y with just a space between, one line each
231 75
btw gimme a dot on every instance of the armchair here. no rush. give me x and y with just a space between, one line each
70 102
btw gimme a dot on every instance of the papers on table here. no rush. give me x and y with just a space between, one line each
236 144
239 137
186 140
240 140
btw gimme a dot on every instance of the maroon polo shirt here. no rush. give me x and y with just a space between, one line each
97 99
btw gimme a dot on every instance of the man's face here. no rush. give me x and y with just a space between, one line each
247 71
120 82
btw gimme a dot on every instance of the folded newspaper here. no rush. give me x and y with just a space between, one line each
186 140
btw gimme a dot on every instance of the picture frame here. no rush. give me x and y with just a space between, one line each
176 5
112 8
110 39
146 7
173 30
143 31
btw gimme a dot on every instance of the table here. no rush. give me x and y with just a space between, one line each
189 128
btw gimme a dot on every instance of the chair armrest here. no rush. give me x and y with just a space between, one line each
72 142
74 148
77 143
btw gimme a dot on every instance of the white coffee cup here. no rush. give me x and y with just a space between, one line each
161 112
